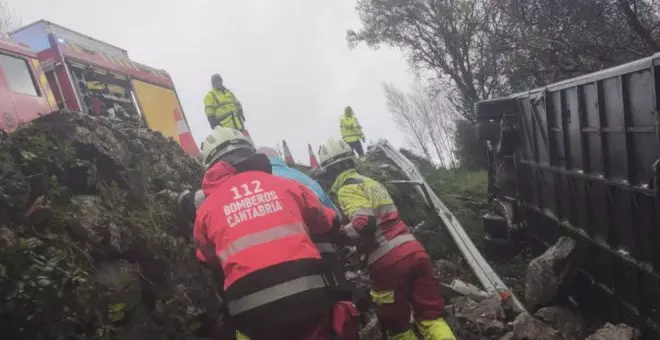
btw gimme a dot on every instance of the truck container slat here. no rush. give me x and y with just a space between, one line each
584 162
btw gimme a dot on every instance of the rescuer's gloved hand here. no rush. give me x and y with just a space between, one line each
436 329
186 204
213 121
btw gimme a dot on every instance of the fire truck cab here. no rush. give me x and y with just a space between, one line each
75 72
24 91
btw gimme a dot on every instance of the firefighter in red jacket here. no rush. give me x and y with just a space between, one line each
399 266
261 230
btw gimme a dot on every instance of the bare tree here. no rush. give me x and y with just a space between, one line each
449 38
545 41
8 19
426 116
401 111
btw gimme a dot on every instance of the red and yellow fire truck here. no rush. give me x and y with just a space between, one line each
46 68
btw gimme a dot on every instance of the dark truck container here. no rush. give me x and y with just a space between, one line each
581 158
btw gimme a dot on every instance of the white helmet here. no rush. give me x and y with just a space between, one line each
335 151
221 142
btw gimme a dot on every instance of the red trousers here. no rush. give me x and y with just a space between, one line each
412 281
319 329
342 322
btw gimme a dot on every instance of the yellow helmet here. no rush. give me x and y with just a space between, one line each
221 142
335 151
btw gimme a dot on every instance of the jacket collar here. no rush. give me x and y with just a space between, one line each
216 175
341 179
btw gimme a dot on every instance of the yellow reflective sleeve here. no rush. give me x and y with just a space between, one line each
209 104
381 297
377 194
351 199
230 96
241 336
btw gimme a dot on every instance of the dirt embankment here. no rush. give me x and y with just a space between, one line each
87 251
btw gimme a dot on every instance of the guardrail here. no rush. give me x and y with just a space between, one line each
488 278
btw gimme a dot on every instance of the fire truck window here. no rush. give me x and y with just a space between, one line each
18 75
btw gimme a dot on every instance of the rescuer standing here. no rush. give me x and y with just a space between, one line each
399 266
263 232
351 131
222 108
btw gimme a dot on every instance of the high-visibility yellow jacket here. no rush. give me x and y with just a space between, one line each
351 131
374 219
222 105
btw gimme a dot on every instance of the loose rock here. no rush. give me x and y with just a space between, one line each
549 274
527 327
569 323
618 332
446 270
485 320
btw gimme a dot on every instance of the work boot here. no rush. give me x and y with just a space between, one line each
437 329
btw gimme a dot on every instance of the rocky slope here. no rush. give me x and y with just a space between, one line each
87 250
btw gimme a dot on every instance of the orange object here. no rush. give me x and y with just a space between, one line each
186 139
506 295
288 158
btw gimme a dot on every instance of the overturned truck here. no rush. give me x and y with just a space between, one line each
581 158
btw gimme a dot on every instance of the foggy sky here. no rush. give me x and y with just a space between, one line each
287 61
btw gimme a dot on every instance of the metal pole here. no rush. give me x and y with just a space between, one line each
488 278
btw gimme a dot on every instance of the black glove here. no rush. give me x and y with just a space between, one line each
213 120
186 204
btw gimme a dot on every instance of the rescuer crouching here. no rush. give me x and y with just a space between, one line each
399 267
274 280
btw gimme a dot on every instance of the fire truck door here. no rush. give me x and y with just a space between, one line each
8 118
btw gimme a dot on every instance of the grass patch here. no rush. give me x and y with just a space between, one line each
464 193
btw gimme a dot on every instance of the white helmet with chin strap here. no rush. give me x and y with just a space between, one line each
335 151
222 143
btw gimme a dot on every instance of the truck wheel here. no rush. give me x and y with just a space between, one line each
495 226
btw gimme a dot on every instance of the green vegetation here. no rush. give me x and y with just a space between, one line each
464 192
88 249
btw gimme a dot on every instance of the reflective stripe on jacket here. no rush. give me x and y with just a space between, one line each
223 105
374 219
260 227
351 131
280 169
324 243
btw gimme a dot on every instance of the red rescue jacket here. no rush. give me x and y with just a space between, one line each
260 227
